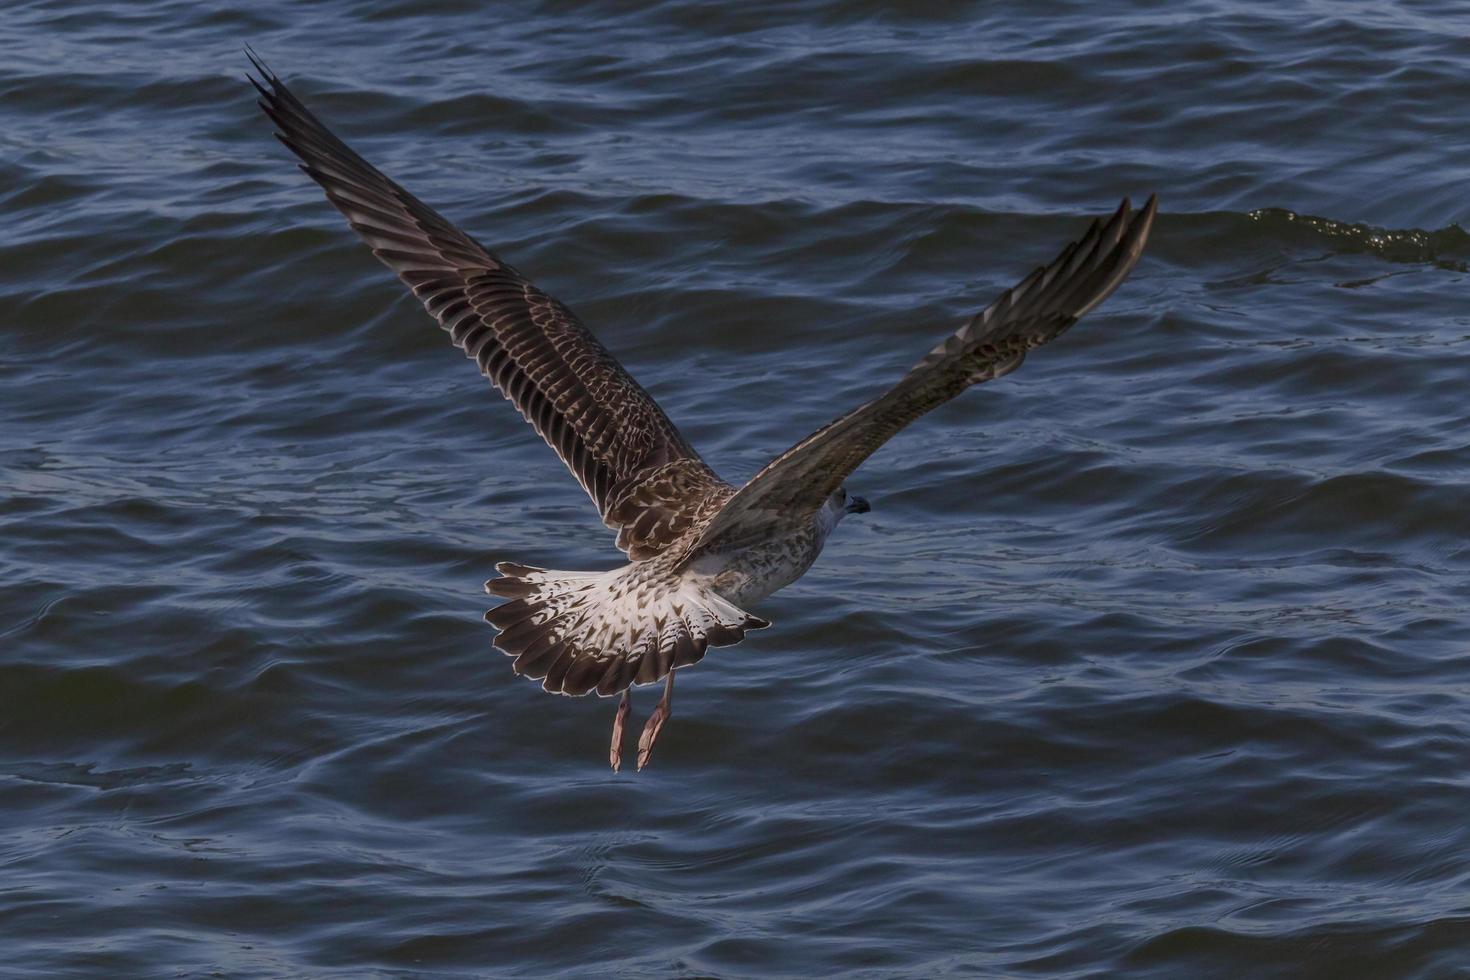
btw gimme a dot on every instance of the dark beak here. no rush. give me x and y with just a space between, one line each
857 505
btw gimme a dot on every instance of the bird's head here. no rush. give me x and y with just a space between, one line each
844 504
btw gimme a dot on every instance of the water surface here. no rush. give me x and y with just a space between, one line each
1150 661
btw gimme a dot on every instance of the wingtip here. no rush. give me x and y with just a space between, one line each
255 61
1145 213
267 77
1145 219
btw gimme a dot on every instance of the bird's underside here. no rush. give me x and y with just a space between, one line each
698 548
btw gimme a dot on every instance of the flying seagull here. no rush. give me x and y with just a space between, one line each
700 550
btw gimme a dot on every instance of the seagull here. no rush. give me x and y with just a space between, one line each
700 550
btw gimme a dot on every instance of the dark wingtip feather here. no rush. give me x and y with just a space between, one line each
260 66
1146 216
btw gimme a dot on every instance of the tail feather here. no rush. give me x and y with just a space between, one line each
540 654
508 614
579 632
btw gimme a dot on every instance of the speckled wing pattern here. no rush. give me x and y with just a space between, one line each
991 344
648 483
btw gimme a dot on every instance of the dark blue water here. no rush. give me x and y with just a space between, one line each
1150 661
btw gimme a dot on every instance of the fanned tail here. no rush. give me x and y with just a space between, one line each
605 631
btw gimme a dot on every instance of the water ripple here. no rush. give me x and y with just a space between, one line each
1150 659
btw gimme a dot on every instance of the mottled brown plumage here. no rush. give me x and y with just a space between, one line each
608 431
699 549
993 343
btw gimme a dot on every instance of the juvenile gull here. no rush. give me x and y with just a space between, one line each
700 550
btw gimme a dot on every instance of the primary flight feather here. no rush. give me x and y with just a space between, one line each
699 549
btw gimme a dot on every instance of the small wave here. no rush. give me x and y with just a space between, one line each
1447 247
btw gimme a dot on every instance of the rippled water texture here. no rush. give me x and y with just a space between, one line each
1150 661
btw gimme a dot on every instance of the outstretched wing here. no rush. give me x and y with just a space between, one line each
646 480
993 343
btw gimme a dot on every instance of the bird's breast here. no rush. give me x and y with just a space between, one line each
754 572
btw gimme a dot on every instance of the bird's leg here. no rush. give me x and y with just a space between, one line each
661 712
615 754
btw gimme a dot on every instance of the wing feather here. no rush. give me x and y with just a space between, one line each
606 428
992 343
